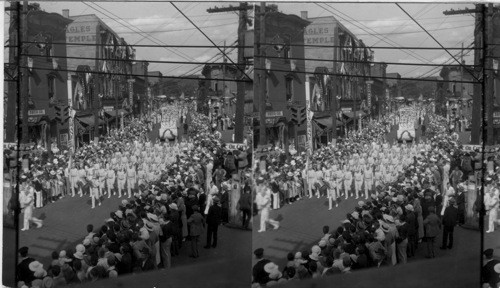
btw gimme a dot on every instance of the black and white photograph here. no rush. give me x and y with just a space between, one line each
127 144
232 144
376 140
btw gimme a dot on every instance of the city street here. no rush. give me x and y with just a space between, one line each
301 227
63 229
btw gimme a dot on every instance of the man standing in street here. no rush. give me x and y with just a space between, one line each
245 205
450 219
214 219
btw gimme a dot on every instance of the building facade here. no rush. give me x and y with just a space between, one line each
101 62
47 85
338 64
285 79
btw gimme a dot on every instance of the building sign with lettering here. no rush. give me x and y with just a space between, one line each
36 112
81 32
321 32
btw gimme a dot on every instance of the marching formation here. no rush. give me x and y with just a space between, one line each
172 194
412 195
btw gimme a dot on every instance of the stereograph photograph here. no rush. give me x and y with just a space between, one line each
251 144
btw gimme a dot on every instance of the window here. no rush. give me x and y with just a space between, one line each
289 88
51 88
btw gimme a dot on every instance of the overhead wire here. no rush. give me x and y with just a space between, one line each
439 43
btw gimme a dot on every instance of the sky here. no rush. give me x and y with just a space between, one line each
391 26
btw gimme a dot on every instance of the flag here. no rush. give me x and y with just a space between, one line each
268 65
55 65
30 63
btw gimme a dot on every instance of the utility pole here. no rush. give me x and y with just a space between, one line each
262 91
489 76
477 101
240 86
10 119
23 63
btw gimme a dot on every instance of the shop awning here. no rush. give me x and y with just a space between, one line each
326 122
88 120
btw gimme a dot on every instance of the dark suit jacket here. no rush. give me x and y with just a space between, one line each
488 274
461 201
450 216
197 224
412 223
259 274
214 216
23 271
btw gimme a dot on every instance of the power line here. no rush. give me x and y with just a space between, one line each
206 36
127 60
474 76
140 75
138 45
410 53
359 61
268 44
127 26
359 76
185 29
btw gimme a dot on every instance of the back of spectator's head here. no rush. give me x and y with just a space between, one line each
111 261
23 251
104 229
326 229
329 261
116 227
93 259
101 252
290 256
340 230
336 253
259 253
432 209
488 253
56 270
55 255
313 266
90 228
290 272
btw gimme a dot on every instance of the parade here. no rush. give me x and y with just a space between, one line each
405 196
170 194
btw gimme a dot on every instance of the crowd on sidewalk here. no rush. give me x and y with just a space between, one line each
425 191
186 194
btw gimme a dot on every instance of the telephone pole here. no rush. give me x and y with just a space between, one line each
261 81
12 97
477 101
489 75
23 63
240 85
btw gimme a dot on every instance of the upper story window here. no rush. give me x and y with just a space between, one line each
289 88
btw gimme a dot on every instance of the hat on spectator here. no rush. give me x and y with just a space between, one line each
488 252
48 282
86 242
80 248
78 255
388 218
270 267
322 243
35 265
409 207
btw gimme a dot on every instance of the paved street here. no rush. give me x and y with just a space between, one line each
301 228
65 223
